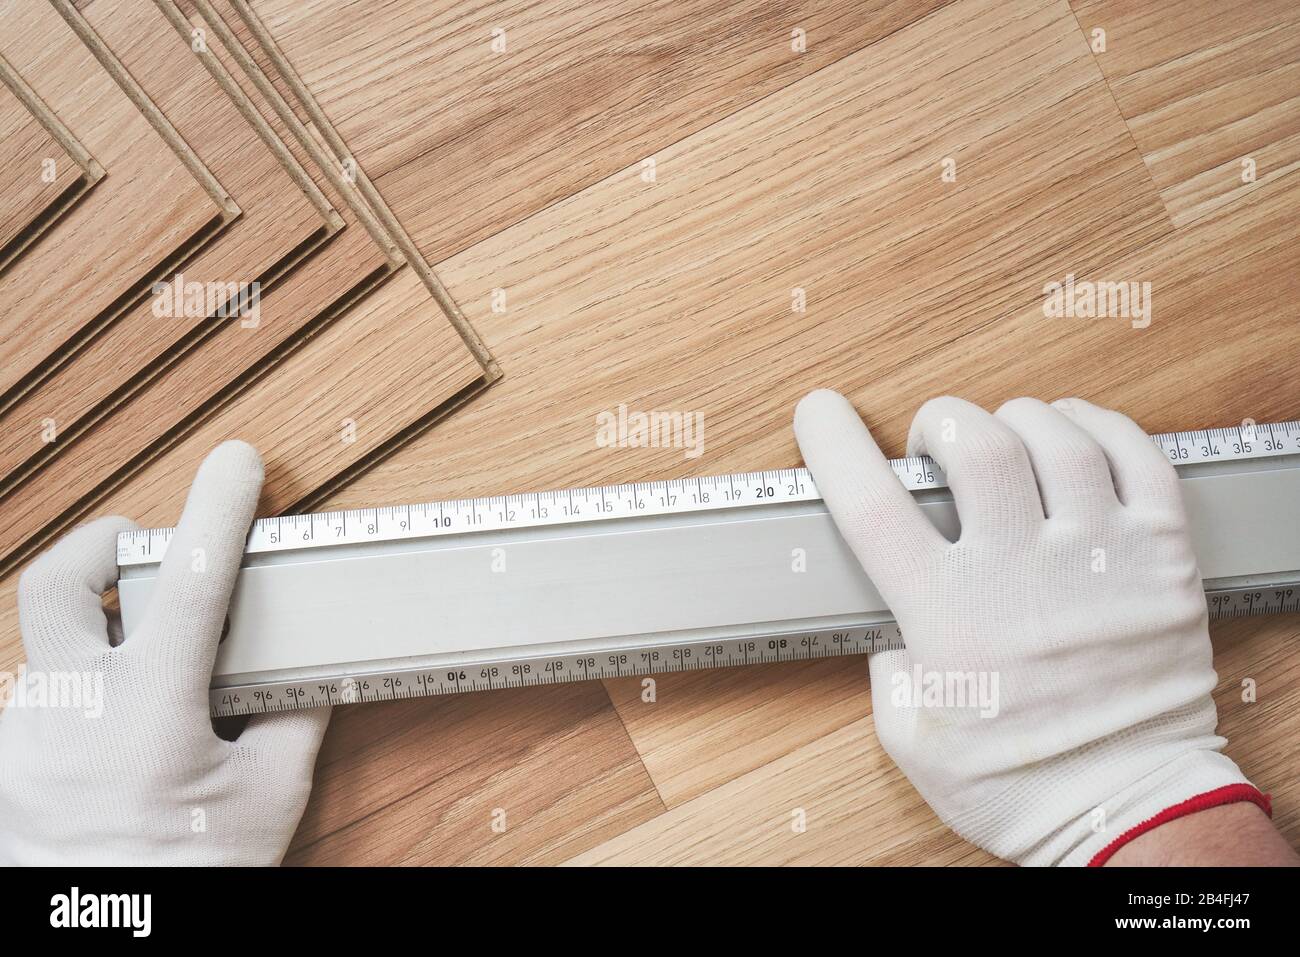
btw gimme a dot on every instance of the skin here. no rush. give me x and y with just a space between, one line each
1233 835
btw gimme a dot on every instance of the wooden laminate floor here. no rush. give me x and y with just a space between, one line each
714 209
46 170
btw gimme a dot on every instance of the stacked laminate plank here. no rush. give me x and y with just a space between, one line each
45 168
303 269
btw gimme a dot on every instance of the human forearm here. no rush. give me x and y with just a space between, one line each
1231 835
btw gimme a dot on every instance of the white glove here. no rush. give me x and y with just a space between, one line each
1073 585
146 780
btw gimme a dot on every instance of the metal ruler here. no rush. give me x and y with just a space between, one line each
683 574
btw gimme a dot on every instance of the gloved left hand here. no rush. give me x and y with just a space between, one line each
121 765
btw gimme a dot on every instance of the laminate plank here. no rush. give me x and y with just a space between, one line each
696 731
235 49
93 265
682 294
1204 89
525 776
39 179
856 807
484 138
322 126
386 367
286 217
350 267
353 387
237 17
143 426
34 168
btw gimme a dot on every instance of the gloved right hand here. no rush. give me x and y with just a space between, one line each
1072 590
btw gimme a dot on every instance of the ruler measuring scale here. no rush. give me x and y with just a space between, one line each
575 584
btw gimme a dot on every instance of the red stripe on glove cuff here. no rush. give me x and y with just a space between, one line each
1228 794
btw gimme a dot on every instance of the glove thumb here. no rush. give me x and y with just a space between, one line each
285 745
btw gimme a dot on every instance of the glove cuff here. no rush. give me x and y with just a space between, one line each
1194 782
1227 794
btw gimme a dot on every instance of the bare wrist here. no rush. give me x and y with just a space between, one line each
1237 834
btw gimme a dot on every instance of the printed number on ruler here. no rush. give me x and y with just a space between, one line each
391 523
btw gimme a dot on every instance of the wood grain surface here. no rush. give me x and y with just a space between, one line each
106 252
38 177
397 358
349 264
324 127
667 207
284 217
350 273
483 138
284 214
27 151
1205 88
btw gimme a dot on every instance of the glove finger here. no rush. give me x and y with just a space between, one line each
60 609
874 513
187 609
1071 468
988 468
889 671
286 741
1142 473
